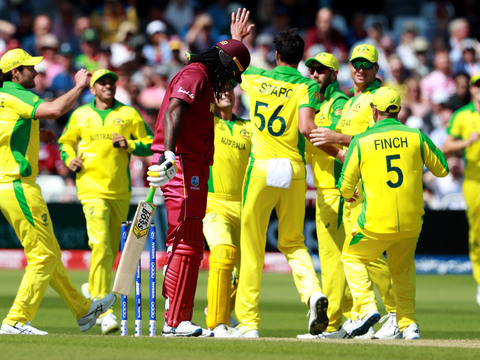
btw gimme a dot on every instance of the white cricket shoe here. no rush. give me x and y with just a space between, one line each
478 295
339 334
247 334
97 308
223 331
361 326
412 332
390 329
318 321
17 329
109 323
185 328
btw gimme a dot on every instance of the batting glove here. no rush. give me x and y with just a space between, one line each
159 175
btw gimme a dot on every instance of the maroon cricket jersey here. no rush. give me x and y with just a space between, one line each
196 134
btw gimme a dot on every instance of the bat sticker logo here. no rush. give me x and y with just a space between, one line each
145 213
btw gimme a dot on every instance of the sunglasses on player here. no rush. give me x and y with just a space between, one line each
367 65
320 70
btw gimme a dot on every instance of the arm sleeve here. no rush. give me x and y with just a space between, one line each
141 137
433 158
350 171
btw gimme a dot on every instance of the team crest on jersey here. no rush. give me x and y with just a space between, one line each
356 108
195 181
35 98
90 211
118 122
316 95
213 216
44 218
244 133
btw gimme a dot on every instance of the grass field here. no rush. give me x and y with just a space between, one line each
446 310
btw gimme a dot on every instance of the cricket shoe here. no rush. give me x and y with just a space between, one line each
412 332
98 307
17 329
389 330
223 331
318 321
361 326
339 334
247 334
478 295
185 328
109 323
370 334
87 295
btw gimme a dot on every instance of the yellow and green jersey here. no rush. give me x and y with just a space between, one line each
275 97
463 123
105 173
357 114
19 133
233 143
388 158
325 167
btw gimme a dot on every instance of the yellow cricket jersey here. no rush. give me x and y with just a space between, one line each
325 167
357 114
105 173
389 159
275 97
463 123
233 143
19 133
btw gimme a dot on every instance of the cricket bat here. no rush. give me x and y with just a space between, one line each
134 245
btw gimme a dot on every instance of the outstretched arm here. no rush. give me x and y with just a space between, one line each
239 27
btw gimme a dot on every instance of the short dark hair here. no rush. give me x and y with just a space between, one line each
289 46
8 75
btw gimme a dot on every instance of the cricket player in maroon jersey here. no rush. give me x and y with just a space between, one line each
183 150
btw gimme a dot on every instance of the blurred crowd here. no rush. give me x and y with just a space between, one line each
427 51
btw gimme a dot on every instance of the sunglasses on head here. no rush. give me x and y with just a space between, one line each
357 64
321 70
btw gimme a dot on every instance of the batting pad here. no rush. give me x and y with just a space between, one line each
222 260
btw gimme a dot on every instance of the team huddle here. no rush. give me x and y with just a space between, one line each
221 177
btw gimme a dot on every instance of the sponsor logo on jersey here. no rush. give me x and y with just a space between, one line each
186 92
244 133
44 218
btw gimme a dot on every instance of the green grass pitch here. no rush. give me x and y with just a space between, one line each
446 310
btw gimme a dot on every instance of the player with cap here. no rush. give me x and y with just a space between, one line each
463 132
283 104
221 225
97 143
323 69
22 203
356 118
388 159
183 147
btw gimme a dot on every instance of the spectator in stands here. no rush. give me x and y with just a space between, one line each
152 96
439 105
200 36
41 26
121 50
7 30
422 57
48 46
92 57
263 55
459 30
157 50
323 33
109 15
64 80
180 15
440 78
414 99
63 26
398 76
405 49
356 33
469 62
461 97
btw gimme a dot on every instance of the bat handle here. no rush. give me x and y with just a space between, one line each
150 195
